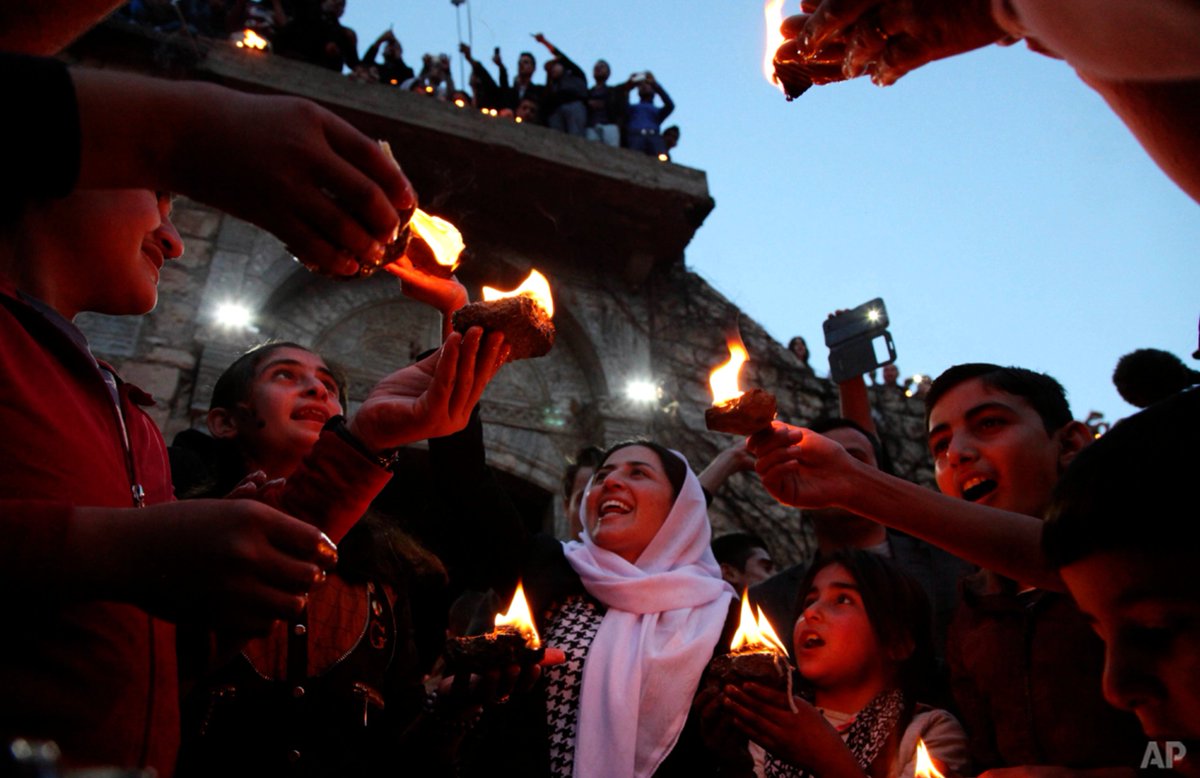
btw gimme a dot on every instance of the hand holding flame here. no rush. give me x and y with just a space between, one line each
433 397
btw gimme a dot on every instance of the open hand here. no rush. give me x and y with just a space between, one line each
432 398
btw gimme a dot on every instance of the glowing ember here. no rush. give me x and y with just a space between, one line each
773 16
724 379
519 618
251 40
535 287
925 767
755 634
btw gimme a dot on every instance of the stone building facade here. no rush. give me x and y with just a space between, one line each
627 307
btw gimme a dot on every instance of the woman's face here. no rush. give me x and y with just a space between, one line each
628 501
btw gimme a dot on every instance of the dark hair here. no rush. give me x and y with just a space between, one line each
735 548
527 54
1124 492
233 386
825 424
897 608
588 456
674 467
1145 376
1046 395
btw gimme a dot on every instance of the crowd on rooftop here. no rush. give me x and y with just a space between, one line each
629 114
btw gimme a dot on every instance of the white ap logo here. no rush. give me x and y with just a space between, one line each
1171 752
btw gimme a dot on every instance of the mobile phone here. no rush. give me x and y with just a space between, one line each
858 341
869 317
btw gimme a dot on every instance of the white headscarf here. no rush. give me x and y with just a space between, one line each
665 615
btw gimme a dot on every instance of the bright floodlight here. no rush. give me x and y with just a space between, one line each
641 390
873 315
233 315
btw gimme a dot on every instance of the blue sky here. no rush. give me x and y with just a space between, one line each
994 202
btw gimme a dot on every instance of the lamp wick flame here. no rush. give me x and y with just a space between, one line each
755 634
724 379
773 18
535 286
518 617
924 765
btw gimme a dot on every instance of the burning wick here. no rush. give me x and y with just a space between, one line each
734 410
513 641
924 767
523 315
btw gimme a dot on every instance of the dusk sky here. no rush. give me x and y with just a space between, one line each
995 203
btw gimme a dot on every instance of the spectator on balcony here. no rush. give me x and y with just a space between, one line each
604 107
314 33
643 119
393 69
487 92
522 86
563 102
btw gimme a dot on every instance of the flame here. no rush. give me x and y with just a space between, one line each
251 40
443 238
773 16
755 635
519 618
724 379
925 767
535 286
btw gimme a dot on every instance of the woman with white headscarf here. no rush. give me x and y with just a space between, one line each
639 608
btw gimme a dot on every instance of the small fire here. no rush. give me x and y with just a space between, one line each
443 238
535 286
724 379
519 618
251 40
773 16
925 767
755 635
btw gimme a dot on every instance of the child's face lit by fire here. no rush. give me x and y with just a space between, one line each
291 397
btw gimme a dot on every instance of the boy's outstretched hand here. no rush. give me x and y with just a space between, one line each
236 565
432 398
801 468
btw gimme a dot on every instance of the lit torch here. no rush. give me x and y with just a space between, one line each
733 410
513 641
756 654
523 315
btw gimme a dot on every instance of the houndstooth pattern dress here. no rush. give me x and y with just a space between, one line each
572 629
